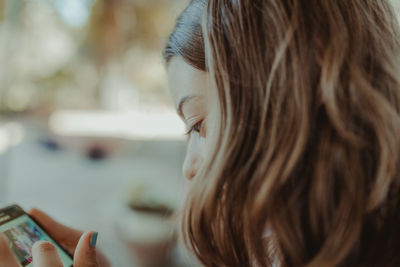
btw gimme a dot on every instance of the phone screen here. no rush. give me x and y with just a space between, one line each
22 232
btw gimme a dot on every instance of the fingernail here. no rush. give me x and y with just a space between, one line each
93 239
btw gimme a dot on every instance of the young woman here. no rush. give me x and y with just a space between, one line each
293 115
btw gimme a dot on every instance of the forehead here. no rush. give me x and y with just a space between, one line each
185 80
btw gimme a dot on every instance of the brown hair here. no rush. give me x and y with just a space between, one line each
309 137
187 38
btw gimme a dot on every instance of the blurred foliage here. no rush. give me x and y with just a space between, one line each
112 60
1 10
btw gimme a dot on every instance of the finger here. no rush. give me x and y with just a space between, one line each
66 236
7 257
45 254
85 253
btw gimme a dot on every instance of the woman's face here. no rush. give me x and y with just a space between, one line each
188 89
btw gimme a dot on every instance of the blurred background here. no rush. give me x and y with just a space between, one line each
88 132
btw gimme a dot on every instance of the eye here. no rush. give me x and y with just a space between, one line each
196 128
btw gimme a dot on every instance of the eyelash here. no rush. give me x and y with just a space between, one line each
195 128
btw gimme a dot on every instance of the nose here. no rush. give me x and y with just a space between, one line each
191 165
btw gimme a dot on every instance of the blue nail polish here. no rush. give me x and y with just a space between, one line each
93 239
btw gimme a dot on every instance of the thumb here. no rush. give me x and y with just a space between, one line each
85 253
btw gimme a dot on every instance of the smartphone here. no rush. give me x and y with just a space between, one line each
22 231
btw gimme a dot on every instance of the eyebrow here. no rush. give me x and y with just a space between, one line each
182 102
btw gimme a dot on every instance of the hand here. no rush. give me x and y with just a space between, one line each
75 242
46 255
